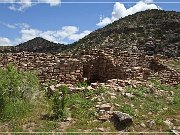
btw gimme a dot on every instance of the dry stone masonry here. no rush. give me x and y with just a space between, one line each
48 67
95 65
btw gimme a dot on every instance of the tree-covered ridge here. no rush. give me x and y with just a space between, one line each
151 31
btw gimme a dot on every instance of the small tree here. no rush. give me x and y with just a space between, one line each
59 103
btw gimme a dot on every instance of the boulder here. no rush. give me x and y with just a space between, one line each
121 120
168 123
151 123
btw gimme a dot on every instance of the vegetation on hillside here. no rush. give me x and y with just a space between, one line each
27 107
150 32
17 91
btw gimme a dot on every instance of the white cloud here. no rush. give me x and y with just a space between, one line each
120 11
21 5
27 34
76 37
22 25
104 21
5 42
10 26
148 1
66 33
15 26
51 2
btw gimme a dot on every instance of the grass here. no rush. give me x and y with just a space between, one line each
17 110
143 107
176 62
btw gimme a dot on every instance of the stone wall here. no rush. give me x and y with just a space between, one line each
48 67
95 65
110 64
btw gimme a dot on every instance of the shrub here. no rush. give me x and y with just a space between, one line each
58 95
15 110
17 85
16 89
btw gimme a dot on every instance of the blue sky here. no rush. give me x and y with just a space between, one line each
65 22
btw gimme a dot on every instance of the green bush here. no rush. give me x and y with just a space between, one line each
15 110
16 85
59 102
16 90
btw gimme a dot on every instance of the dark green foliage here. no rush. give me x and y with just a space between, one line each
1 103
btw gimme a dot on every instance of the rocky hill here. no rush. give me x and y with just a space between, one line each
37 44
150 32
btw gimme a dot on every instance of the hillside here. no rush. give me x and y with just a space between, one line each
37 44
151 32
108 86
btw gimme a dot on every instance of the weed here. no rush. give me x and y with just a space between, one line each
59 103
100 90
176 98
176 62
82 84
159 120
125 108
139 91
160 86
16 110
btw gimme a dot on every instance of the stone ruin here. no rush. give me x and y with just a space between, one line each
95 65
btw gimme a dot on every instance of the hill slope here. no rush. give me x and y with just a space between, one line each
39 44
151 32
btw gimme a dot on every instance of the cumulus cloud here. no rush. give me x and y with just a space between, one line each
120 11
21 5
5 41
66 33
76 37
